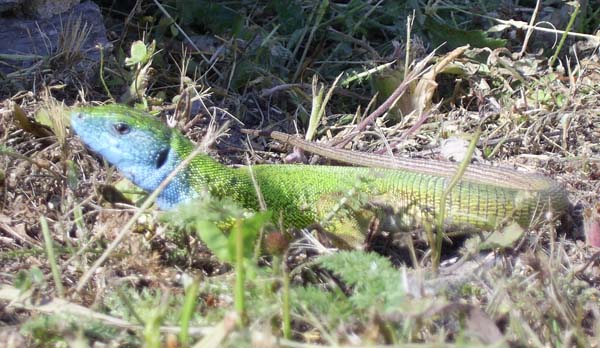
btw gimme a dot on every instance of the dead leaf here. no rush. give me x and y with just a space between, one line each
591 225
504 238
423 93
480 324
25 124
455 148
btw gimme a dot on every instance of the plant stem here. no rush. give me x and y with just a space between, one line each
189 304
564 34
51 257
286 312
437 250
239 272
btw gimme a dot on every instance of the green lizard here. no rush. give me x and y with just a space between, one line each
146 151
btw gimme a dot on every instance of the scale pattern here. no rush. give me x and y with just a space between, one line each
146 151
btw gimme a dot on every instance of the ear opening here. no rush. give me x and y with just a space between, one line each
161 159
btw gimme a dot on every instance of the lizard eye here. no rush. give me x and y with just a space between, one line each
121 128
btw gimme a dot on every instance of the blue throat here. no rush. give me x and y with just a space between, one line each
149 178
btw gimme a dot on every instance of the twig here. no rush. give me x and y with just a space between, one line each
424 116
530 30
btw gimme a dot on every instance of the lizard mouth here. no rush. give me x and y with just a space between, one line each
161 159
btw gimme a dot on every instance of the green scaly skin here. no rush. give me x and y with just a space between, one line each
146 151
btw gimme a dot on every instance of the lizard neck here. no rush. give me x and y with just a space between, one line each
203 174
149 177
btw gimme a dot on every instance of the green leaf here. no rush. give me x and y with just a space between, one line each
213 220
214 239
43 117
210 226
453 37
384 84
174 30
123 191
138 53
22 281
541 96
72 175
250 227
25 279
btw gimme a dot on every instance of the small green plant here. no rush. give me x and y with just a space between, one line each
545 93
139 61
364 286
236 248
153 321
26 279
375 283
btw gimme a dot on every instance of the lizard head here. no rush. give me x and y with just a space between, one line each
138 144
